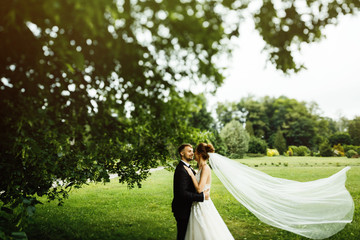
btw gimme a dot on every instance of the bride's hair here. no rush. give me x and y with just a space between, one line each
203 149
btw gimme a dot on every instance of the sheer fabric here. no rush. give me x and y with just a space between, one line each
205 223
315 209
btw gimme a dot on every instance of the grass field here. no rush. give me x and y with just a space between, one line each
112 211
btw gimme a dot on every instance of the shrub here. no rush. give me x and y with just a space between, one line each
257 145
290 152
351 153
299 151
325 150
352 147
338 150
235 138
272 152
303 151
280 142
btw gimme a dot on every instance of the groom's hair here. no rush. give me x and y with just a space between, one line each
182 146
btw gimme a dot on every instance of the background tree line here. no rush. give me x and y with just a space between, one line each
283 122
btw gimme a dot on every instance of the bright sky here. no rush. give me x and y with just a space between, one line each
332 77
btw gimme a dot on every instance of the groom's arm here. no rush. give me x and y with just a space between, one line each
182 180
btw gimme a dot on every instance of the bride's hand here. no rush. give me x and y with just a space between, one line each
189 170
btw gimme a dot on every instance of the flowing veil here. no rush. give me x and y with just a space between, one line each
315 209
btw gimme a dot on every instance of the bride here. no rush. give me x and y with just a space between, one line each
315 209
205 221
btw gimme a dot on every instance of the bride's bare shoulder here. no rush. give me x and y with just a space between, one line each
206 168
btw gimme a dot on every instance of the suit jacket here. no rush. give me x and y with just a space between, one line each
184 193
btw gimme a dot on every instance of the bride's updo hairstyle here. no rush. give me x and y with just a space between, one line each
203 149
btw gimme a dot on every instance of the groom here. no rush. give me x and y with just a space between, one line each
184 191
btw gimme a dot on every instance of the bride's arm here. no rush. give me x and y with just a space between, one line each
199 186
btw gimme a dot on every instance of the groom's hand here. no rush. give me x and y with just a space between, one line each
207 194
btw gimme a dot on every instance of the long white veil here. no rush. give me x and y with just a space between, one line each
316 209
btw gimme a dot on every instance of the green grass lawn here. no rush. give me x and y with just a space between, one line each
112 211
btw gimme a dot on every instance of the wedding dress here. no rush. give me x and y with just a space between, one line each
315 209
205 223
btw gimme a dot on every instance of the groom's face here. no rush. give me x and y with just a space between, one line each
188 153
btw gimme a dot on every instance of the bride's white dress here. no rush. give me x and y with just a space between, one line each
205 223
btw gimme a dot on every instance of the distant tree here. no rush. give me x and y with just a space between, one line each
342 124
340 138
235 138
302 132
257 145
354 131
280 142
325 127
201 118
218 143
249 128
254 112
325 149
226 112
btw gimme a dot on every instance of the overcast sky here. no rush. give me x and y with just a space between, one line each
332 77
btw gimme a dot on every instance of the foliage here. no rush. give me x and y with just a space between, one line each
351 153
226 112
201 117
302 132
325 150
235 138
340 138
296 120
218 143
257 145
299 150
354 130
352 147
339 150
272 152
279 42
249 128
289 152
280 142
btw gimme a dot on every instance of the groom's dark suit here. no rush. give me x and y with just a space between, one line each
184 195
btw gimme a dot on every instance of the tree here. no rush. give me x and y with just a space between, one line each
302 132
280 142
340 138
236 139
354 131
257 145
226 112
201 117
249 128
267 115
325 150
91 88
254 112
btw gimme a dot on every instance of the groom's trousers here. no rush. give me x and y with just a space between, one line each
181 224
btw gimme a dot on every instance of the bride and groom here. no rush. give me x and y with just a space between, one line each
316 209
195 214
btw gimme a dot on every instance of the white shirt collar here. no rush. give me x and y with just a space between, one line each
188 165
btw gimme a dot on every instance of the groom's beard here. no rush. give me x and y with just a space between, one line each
189 159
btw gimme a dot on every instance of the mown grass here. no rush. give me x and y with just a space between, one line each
112 211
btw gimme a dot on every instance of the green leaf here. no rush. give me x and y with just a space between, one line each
19 235
7 210
70 68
